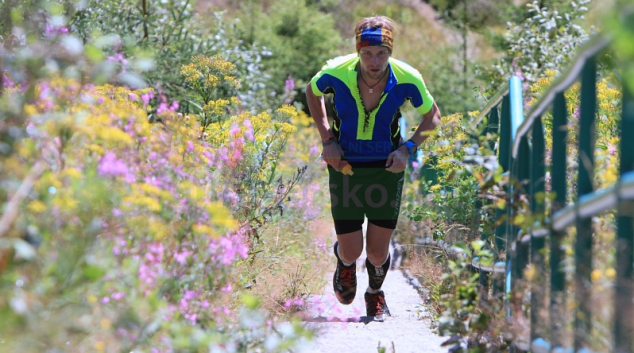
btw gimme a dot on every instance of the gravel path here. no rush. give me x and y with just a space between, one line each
345 328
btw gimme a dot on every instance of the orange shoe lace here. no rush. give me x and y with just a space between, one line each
376 305
347 276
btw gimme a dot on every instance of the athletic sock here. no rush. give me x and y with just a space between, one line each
377 274
372 291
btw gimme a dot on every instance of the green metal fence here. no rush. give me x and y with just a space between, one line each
521 154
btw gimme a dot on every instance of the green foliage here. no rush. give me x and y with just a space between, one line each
456 165
174 32
444 75
113 211
467 317
300 37
474 14
619 21
451 207
545 41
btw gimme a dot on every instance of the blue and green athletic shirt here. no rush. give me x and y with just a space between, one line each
369 136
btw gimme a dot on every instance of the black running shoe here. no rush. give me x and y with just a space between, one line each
376 275
344 280
375 306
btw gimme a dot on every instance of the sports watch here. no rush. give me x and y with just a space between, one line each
411 148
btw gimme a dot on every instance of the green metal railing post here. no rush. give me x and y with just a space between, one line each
537 190
505 161
522 163
585 185
624 287
517 263
558 186
518 171
494 125
491 127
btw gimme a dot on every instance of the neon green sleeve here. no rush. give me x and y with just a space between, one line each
428 100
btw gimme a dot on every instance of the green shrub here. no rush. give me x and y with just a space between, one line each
301 39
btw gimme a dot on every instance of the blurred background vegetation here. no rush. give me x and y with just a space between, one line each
460 46
144 58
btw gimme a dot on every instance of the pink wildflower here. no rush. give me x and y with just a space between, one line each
249 135
290 83
118 295
181 258
162 108
235 130
189 295
611 149
111 165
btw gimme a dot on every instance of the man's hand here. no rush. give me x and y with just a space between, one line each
332 154
397 160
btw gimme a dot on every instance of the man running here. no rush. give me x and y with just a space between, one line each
368 89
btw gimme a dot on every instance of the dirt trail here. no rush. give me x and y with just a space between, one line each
345 328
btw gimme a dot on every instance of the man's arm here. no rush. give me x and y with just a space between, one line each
397 160
317 109
430 121
332 153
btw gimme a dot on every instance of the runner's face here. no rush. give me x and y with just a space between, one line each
374 61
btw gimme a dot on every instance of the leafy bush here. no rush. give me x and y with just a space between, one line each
174 33
545 41
454 167
468 319
120 231
300 38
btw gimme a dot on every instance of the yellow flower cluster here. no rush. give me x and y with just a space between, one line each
265 127
133 201
121 94
220 216
216 108
302 119
608 104
209 72
103 123
301 143
443 141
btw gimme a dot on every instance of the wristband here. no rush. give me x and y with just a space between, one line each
411 148
329 141
327 138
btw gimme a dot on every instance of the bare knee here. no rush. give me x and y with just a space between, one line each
349 254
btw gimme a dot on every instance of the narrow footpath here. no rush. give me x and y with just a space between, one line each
345 328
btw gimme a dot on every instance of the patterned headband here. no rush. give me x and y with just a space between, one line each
374 36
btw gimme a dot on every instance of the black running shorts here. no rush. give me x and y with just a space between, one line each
371 192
